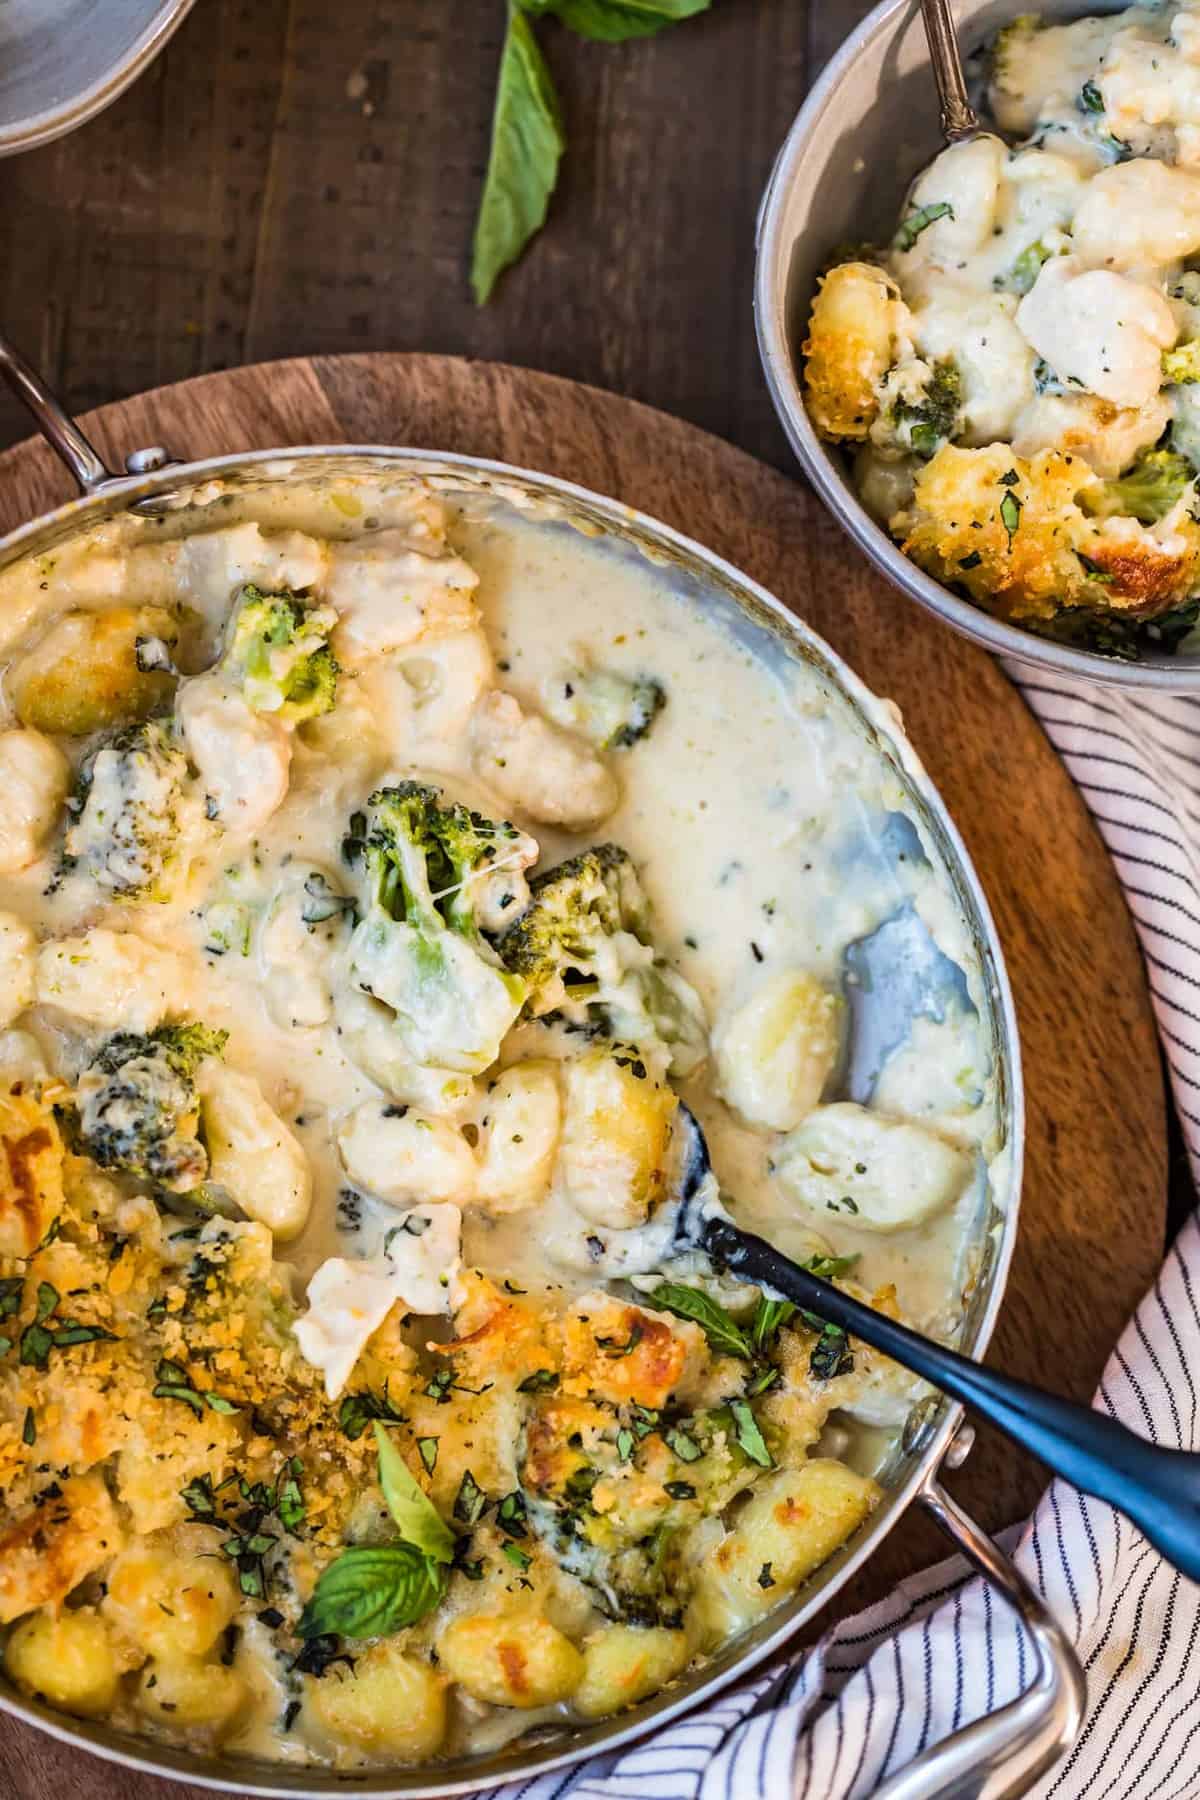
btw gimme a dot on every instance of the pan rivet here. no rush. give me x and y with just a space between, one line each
145 462
959 1447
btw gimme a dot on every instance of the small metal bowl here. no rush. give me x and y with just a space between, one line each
869 124
63 61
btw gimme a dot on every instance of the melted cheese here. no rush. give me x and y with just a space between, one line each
348 1300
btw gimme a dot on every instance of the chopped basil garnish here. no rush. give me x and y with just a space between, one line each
919 221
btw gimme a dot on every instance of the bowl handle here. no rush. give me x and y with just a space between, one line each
61 432
1000 1756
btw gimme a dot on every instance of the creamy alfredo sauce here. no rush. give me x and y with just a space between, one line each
790 884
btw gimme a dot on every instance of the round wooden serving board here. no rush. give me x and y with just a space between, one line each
1093 1211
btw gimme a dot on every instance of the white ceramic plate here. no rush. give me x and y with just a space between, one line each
63 61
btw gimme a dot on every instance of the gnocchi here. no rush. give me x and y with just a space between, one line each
623 1664
402 1155
243 758
390 594
889 1174
31 1171
252 1153
89 671
777 1050
425 693
66 1658
189 1694
793 1521
1032 317
390 1703
616 1136
516 1660
554 778
112 979
17 965
172 1606
518 1137
34 777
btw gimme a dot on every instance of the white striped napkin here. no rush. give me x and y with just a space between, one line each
865 1701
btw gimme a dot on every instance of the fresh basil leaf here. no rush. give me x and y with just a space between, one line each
168 1391
719 1327
684 1445
542 1381
527 142
831 1355
612 21
372 1590
830 1267
198 1496
749 1436
72 1332
765 1378
769 1315
470 1501
511 1515
919 221
289 1504
36 1344
358 1410
417 1519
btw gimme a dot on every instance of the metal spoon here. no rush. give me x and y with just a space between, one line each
1157 1489
960 121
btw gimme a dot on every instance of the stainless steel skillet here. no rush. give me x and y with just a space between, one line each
1001 1755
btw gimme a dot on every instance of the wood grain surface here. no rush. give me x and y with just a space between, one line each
1092 1215
291 177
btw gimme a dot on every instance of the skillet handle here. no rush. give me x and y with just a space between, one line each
1157 1488
60 431
1002 1755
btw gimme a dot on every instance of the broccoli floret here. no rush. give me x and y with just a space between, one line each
581 946
125 807
1183 363
137 1109
187 1046
440 876
612 711
921 425
277 651
1150 488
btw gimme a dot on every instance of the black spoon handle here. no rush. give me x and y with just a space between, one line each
1158 1489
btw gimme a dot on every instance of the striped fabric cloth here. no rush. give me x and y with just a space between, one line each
941 1651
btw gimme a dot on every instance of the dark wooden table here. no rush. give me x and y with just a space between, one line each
293 176
297 176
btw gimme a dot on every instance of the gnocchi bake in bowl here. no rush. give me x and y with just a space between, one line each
990 368
394 853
